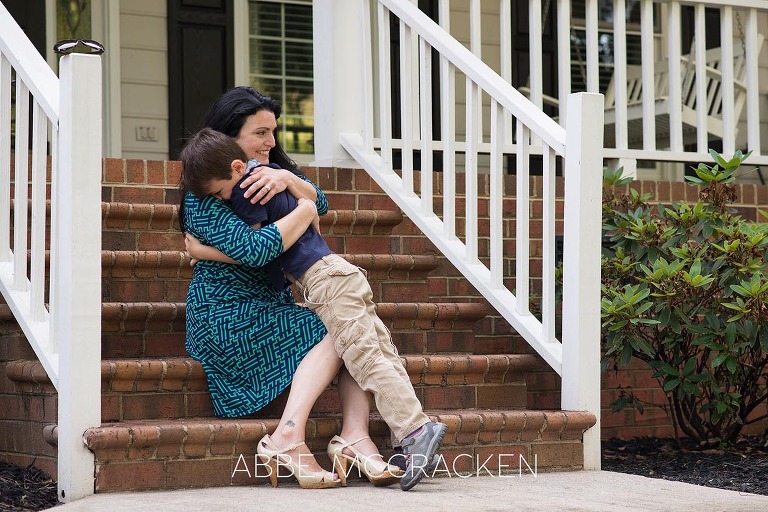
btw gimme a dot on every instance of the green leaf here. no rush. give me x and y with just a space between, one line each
626 355
671 384
690 365
719 359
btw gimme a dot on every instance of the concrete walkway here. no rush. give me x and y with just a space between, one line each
577 491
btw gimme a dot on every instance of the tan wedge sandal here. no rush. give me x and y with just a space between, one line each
274 456
378 472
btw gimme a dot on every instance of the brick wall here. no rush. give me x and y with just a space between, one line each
141 181
23 417
25 411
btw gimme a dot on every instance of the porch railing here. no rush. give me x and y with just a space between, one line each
680 76
353 65
65 331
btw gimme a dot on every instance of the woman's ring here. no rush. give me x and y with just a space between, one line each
267 187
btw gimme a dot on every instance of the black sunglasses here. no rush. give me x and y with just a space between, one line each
67 46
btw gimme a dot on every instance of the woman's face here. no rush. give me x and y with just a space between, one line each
257 136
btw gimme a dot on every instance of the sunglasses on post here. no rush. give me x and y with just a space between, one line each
67 46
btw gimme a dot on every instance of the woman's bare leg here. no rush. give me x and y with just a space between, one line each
312 376
355 413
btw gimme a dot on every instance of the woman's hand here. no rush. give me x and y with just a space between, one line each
264 182
193 247
197 251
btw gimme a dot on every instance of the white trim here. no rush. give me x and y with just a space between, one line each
105 28
50 33
75 270
581 266
298 2
242 55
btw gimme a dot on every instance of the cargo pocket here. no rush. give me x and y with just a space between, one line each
358 363
345 334
342 268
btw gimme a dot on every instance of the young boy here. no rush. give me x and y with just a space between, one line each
337 291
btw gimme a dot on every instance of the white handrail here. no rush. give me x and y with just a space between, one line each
28 65
510 98
535 134
66 337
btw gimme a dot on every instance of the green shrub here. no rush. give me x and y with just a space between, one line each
685 289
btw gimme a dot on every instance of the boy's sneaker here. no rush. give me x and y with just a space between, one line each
398 460
418 449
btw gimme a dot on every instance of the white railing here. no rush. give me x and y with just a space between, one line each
65 335
352 67
665 101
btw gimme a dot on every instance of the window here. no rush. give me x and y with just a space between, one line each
281 66
605 40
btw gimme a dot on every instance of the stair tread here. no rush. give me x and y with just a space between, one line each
176 373
160 215
560 425
174 258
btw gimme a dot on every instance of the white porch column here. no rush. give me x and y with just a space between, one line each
76 270
339 82
581 264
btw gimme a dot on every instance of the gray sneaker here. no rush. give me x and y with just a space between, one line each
419 451
398 459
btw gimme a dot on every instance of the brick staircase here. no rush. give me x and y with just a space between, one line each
158 428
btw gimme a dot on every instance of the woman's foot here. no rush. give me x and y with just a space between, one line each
298 459
301 455
364 446
350 455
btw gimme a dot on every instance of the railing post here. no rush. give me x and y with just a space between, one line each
338 72
581 264
76 270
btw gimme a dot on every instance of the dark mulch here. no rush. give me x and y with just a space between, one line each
25 488
743 467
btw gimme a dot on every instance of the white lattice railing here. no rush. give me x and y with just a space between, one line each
352 67
672 100
66 332
664 102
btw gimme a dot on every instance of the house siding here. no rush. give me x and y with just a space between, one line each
144 78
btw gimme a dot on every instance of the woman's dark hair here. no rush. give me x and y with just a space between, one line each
228 114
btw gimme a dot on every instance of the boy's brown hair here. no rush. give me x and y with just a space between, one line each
208 156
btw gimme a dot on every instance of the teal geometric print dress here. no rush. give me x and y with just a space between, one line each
248 337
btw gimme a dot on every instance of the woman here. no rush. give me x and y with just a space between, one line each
254 341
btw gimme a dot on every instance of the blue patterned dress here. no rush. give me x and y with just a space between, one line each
248 337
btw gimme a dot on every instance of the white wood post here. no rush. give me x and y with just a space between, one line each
76 270
339 89
581 264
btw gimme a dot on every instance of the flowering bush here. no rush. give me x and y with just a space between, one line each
685 289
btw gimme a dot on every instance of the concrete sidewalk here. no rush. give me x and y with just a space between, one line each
576 491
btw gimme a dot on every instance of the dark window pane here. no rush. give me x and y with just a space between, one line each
266 57
298 59
298 21
265 19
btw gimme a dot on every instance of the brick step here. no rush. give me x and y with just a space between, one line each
145 227
157 329
164 275
139 227
144 389
205 452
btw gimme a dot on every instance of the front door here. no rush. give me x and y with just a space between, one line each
28 14
200 63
